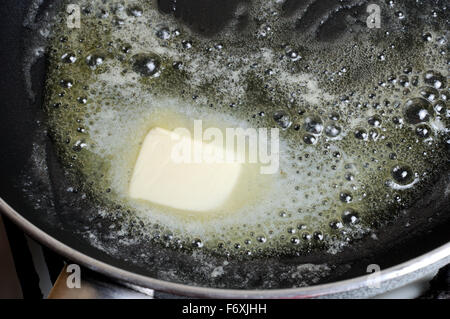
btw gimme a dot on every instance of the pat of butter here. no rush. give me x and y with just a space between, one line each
192 186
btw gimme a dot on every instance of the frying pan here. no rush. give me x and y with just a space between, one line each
33 190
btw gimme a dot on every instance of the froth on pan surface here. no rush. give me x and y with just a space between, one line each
362 112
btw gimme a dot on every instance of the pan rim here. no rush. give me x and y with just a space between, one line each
389 278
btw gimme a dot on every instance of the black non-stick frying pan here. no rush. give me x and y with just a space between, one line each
38 201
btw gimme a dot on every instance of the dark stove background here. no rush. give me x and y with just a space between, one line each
29 271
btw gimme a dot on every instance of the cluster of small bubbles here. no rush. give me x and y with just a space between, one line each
82 100
342 71
427 37
317 235
163 33
118 21
334 116
309 139
293 55
397 120
417 110
374 134
94 61
404 81
350 216
265 30
186 44
440 107
361 134
435 79
168 236
345 197
429 93
79 145
283 213
177 65
125 48
269 71
282 119
402 174
197 243
332 130
135 11
313 125
400 15
336 224
375 121
69 58
146 64
262 239
66 83
407 70
306 236
423 131
393 156
291 230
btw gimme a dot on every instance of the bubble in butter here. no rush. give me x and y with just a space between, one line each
166 175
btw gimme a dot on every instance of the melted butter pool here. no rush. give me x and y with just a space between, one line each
362 130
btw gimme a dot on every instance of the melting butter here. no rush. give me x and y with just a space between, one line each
164 177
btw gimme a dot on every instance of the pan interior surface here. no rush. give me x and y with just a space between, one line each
363 125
